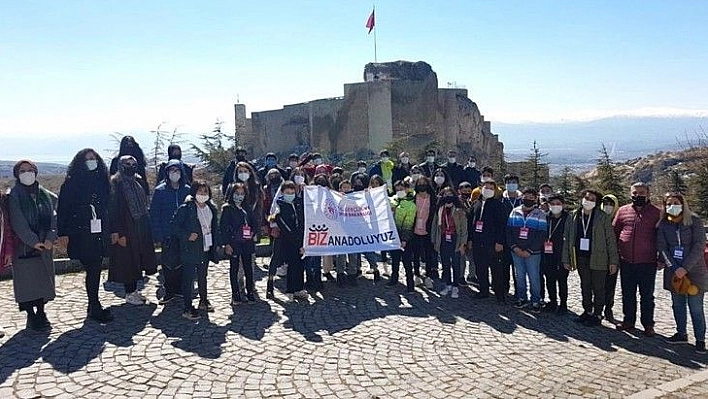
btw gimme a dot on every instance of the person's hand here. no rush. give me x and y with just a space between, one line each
114 238
613 269
7 261
275 232
39 246
660 265
681 272
567 267
229 251
123 241
193 237
525 254
48 245
498 247
461 249
63 241
301 251
403 244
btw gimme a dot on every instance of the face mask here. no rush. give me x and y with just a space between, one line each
405 160
465 196
439 180
175 176
415 176
608 209
238 198
556 209
512 186
588 205
529 203
270 162
674 210
28 178
358 187
322 183
485 179
362 170
401 194
243 176
202 198
92 164
451 159
289 198
385 159
487 193
471 164
421 189
429 159
449 200
176 155
544 197
240 157
639 200
293 164
318 161
129 170
299 180
274 180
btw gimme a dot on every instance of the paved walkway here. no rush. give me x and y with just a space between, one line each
359 342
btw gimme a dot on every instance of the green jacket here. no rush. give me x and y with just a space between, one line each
404 211
603 244
459 216
184 223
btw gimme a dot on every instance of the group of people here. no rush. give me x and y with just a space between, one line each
457 225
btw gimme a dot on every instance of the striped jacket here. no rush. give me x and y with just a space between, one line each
537 224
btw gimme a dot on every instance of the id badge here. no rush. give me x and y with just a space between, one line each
247 233
584 244
548 247
95 225
207 240
420 224
448 237
524 233
479 226
678 253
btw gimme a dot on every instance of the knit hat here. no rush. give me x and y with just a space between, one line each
16 168
683 286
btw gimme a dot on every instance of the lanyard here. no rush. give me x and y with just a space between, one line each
94 216
678 235
481 212
585 227
245 215
551 232
447 219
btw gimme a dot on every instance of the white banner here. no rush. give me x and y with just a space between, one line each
359 222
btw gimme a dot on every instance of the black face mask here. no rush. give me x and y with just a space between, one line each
129 170
422 189
449 200
639 200
322 183
358 187
529 203
240 157
176 155
274 180
465 196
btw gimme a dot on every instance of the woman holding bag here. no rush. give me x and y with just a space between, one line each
681 240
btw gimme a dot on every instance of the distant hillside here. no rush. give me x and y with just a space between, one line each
45 168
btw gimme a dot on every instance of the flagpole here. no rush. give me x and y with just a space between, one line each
375 56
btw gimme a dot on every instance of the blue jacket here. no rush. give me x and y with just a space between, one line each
537 224
165 202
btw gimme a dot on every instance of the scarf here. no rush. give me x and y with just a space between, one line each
134 195
36 205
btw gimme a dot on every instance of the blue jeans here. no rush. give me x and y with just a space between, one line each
530 267
450 260
698 317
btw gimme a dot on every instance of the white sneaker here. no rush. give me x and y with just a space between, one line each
290 297
418 281
455 293
282 271
429 283
387 270
302 294
134 299
446 290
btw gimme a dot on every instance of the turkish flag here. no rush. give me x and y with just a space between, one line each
371 21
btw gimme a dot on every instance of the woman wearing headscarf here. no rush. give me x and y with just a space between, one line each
7 241
131 249
82 218
34 224
128 146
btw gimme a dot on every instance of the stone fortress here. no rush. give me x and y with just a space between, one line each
399 105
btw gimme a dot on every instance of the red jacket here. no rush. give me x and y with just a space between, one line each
636 233
7 238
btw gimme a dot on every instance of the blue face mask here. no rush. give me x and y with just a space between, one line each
512 186
289 198
270 162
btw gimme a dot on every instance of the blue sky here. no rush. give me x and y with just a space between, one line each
75 67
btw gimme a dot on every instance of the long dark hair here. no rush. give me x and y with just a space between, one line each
232 189
77 167
253 193
128 146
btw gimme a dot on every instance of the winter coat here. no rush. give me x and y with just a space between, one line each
186 222
140 174
233 219
603 247
401 171
291 221
455 172
187 172
636 233
165 202
74 214
556 230
493 223
128 263
535 221
404 212
459 216
472 175
7 236
693 241
428 168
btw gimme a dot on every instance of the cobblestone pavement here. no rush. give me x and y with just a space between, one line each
361 342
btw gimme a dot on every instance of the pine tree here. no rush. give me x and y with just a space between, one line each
217 148
535 167
676 182
608 178
699 183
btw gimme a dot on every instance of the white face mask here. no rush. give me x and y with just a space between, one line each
588 205
416 176
405 160
674 210
317 161
299 180
28 178
175 176
202 198
243 176
608 209
556 209
452 159
439 180
430 159
471 164
485 179
401 194
92 164
362 170
487 193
